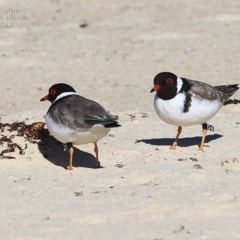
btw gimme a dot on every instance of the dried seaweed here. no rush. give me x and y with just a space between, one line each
32 133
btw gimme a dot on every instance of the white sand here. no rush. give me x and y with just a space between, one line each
144 191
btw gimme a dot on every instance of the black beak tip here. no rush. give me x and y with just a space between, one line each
152 90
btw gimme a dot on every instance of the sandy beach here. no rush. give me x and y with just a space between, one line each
110 51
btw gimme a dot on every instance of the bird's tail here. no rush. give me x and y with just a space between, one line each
228 90
111 125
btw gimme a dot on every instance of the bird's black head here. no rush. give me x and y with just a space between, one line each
165 84
55 90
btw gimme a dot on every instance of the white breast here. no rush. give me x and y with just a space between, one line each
171 111
80 136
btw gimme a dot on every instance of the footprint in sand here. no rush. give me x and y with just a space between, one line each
232 164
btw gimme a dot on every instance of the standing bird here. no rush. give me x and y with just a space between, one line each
73 119
184 102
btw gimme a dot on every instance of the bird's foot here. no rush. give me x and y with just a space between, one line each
174 146
69 168
201 149
98 165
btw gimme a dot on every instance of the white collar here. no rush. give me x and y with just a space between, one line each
64 95
179 84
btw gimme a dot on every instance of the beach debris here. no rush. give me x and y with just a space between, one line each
144 115
32 133
132 117
83 25
119 165
182 159
6 157
180 229
115 117
193 159
96 192
197 166
12 147
77 194
26 179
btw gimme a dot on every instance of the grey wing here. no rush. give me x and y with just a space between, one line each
94 113
205 91
80 112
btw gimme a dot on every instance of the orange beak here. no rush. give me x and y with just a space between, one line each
155 88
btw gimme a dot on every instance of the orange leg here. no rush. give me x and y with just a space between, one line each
70 150
96 152
173 147
204 134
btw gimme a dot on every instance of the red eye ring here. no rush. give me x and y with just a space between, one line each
169 81
53 91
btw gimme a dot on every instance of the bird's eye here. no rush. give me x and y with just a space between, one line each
53 91
169 80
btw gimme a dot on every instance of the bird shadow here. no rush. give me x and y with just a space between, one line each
53 151
182 142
